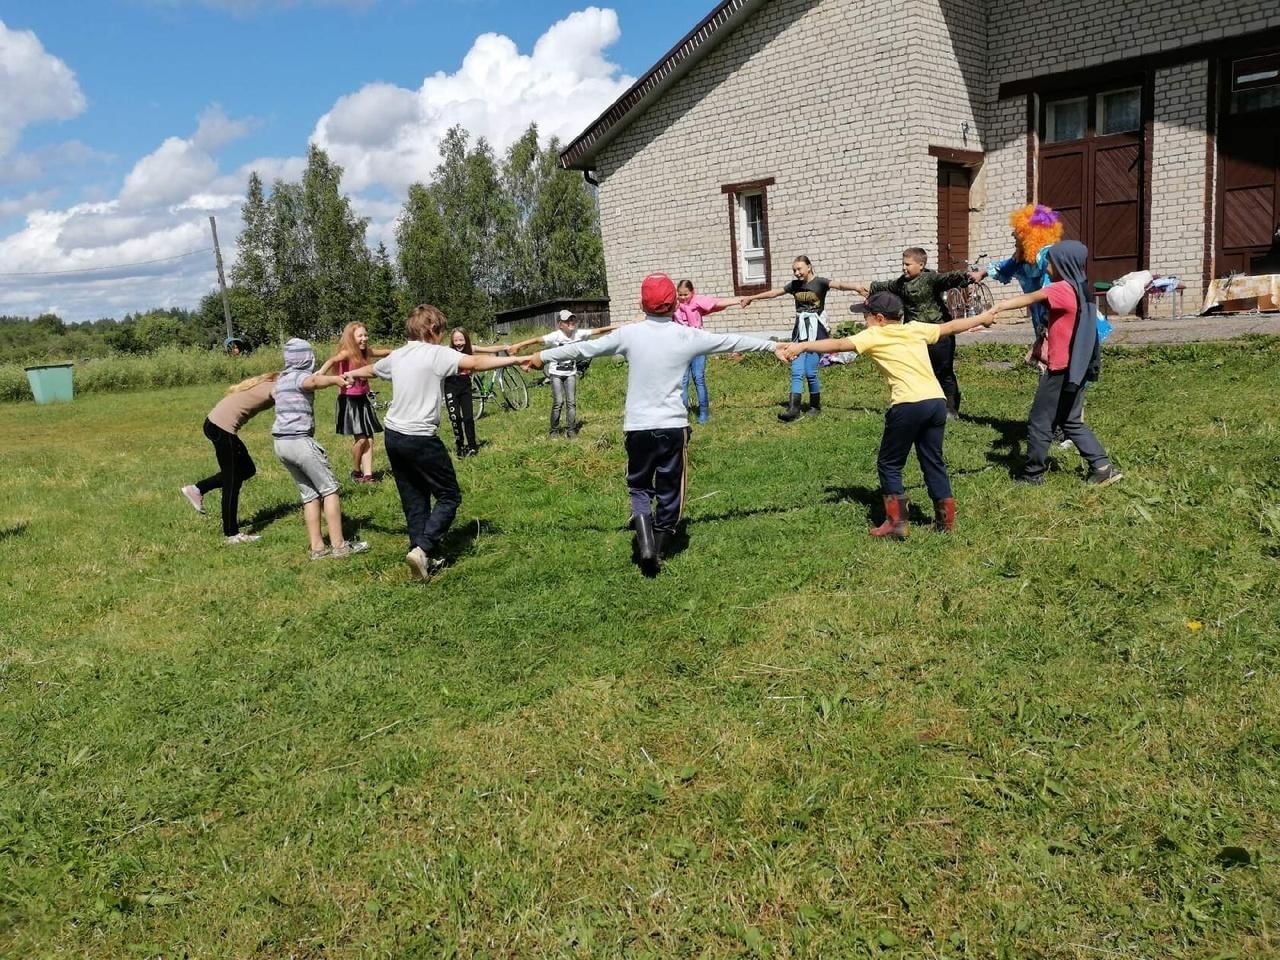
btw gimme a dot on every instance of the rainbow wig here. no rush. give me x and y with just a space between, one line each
1036 227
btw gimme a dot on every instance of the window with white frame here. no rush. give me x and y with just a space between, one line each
1120 111
1066 120
751 237
749 234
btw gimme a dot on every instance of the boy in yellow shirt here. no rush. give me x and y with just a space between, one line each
917 414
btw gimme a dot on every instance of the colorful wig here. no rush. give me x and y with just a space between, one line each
1036 227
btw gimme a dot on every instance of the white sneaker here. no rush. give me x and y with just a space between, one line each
1067 445
194 497
242 538
423 566
347 548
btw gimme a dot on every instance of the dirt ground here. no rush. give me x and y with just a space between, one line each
1158 330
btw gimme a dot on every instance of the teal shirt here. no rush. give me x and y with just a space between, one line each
922 295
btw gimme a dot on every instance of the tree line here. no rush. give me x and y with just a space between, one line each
483 234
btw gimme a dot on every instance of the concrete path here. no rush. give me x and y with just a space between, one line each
1137 331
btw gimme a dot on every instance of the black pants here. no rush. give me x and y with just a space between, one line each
942 357
922 425
423 471
235 466
1058 405
457 401
656 471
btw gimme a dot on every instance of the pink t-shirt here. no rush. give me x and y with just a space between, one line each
357 389
691 313
1062 324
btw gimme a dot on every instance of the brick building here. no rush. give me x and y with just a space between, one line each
848 129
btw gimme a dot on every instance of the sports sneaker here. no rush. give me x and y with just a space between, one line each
423 566
1029 479
1065 444
1103 476
194 497
321 554
348 547
366 478
356 475
237 538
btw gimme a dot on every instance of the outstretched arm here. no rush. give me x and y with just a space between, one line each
852 285
830 345
966 323
767 295
362 373
578 350
471 361
951 279
319 381
517 347
1020 302
494 348
336 358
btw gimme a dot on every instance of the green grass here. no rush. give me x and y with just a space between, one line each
1053 734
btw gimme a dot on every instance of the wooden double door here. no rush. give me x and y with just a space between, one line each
1248 225
953 217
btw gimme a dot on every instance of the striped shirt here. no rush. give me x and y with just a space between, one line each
295 407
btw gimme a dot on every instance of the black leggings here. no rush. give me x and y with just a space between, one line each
457 401
235 466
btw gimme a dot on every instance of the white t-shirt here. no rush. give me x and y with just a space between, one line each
558 338
416 371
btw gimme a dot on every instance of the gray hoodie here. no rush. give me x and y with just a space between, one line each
658 352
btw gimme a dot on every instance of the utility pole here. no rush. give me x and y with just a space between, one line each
222 280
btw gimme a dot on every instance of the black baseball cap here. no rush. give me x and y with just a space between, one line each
882 302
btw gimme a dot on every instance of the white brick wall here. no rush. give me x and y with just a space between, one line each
799 92
1178 175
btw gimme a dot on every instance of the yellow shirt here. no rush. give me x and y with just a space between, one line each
901 352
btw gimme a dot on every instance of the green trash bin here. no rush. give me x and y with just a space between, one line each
50 382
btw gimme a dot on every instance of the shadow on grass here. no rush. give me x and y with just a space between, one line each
873 500
461 538
1011 437
269 515
16 530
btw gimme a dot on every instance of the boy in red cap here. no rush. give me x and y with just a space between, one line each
656 422
917 414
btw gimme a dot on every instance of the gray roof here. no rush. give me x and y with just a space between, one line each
679 60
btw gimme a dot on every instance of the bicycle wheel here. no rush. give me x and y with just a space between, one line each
956 303
980 297
515 392
477 397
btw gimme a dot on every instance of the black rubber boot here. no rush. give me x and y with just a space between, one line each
815 405
793 409
646 542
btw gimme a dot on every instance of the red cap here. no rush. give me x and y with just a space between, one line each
657 294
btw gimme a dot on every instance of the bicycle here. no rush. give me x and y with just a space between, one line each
506 384
969 300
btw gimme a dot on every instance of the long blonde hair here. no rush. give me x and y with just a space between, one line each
250 382
347 344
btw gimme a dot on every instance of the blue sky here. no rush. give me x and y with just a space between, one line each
123 125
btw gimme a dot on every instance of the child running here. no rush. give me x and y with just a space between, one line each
356 416
656 423
810 293
920 291
243 401
691 309
1069 356
564 374
917 414
295 445
419 461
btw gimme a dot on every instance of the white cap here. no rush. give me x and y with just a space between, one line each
567 315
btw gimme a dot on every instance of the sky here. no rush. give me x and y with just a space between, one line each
125 124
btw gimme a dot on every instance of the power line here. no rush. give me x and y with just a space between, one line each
117 266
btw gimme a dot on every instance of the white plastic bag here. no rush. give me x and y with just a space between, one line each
1126 293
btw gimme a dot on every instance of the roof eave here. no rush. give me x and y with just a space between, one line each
582 152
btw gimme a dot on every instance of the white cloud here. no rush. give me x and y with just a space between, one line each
385 137
389 136
20 206
34 86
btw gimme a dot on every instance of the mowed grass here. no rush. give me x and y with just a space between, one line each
1055 733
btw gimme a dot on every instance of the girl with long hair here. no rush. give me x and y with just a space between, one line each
356 416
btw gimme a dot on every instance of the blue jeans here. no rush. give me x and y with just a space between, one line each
698 370
805 367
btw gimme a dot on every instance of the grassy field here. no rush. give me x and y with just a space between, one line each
1053 734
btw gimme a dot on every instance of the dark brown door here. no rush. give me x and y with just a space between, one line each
1091 172
1249 168
953 217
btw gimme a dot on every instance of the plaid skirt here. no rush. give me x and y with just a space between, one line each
356 417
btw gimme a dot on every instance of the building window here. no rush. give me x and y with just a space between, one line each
1066 120
1255 84
1119 111
749 235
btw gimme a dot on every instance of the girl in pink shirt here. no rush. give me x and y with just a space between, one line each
356 416
691 308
